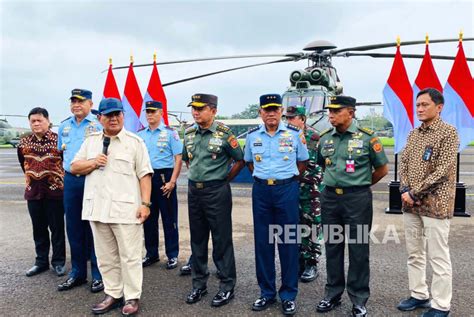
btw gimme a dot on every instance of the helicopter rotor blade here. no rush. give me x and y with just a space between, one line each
290 59
294 55
394 44
391 55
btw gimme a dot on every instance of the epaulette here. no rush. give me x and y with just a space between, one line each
141 129
94 133
169 128
66 119
190 130
222 127
366 130
326 131
292 127
131 134
253 129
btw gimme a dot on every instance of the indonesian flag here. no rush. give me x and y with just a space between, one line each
458 107
398 102
426 78
155 92
110 88
132 102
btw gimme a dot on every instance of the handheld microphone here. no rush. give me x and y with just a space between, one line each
106 144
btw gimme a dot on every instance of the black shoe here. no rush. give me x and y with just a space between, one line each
262 303
172 263
433 312
196 295
185 269
97 286
60 270
288 307
310 274
35 269
147 261
328 304
222 298
359 311
71 283
413 303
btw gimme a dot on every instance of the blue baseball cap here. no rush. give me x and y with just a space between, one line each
108 105
81 94
270 100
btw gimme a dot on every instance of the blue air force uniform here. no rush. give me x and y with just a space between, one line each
163 145
275 198
70 138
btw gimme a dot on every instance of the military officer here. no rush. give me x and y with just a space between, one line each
209 147
71 135
310 205
275 154
164 148
354 159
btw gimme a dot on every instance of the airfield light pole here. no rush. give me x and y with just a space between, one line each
460 198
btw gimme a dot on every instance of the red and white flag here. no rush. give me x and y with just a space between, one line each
155 92
132 102
426 78
398 102
458 107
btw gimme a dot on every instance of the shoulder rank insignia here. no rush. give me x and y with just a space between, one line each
141 129
366 130
292 127
169 128
222 127
253 129
325 132
190 130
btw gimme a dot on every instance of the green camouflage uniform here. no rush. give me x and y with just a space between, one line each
310 206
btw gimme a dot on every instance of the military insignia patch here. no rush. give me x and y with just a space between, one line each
302 138
233 142
377 147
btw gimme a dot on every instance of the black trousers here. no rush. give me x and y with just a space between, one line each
210 211
347 216
48 213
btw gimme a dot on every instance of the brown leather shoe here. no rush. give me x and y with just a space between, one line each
107 304
130 308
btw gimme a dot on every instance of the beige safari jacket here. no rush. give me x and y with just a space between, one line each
112 194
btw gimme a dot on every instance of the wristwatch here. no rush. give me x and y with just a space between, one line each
146 204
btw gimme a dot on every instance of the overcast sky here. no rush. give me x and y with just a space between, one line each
51 47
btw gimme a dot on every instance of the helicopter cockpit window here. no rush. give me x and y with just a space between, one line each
313 101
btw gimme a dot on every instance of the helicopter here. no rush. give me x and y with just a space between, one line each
314 85
10 135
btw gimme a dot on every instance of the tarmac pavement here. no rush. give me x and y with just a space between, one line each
164 291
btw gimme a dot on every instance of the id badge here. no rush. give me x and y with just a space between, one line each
350 166
428 152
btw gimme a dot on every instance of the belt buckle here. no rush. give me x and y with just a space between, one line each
199 185
271 181
339 191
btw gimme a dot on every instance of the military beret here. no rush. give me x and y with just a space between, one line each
337 102
201 100
81 94
153 105
270 100
293 111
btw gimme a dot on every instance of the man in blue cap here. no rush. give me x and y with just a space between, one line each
164 148
275 154
116 203
71 134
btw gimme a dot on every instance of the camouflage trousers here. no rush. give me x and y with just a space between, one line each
310 215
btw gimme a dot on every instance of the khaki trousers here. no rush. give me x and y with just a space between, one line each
425 235
119 256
